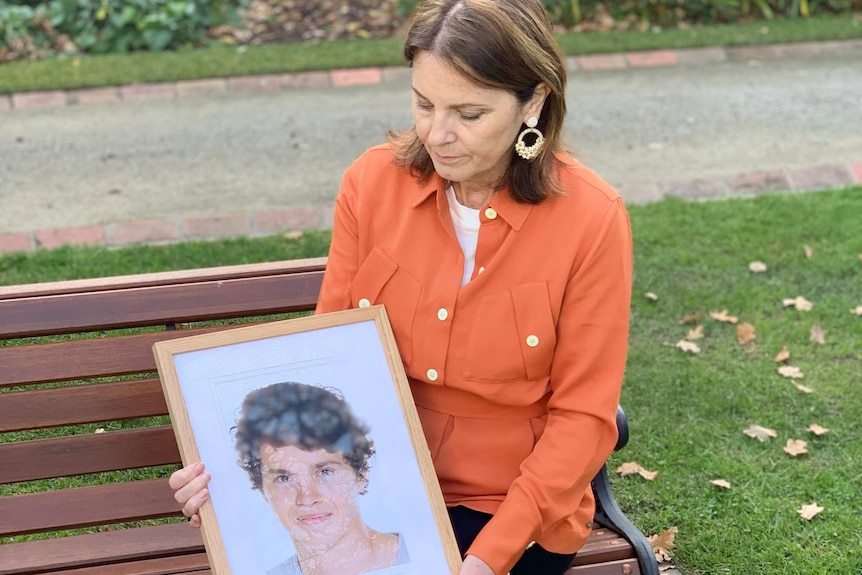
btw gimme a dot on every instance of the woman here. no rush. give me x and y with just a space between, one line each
505 269
308 455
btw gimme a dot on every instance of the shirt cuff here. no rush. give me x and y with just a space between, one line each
506 536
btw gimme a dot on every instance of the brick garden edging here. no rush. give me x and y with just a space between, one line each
368 76
173 230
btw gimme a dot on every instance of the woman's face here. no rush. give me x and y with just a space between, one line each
313 493
468 130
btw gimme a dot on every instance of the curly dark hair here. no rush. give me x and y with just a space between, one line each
307 416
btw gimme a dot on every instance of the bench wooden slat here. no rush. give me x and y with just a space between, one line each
175 277
99 548
600 534
86 507
148 306
81 359
194 563
79 455
77 404
622 566
85 358
603 545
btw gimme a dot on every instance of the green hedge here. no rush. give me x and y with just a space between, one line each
646 13
33 29
37 28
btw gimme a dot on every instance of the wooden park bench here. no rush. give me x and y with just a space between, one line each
76 358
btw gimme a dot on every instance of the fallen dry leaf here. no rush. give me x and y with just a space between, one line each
782 355
687 346
809 511
803 388
809 251
790 371
723 483
817 430
799 302
759 433
651 296
745 333
696 333
795 447
100 430
293 235
691 318
663 543
757 267
857 310
632 468
817 334
723 316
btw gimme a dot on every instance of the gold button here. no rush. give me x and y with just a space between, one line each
432 375
532 340
364 302
442 314
490 213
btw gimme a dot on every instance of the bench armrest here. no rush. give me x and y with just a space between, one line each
609 514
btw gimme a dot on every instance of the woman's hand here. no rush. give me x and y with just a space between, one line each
472 565
190 490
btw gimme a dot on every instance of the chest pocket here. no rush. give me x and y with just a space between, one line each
513 336
379 280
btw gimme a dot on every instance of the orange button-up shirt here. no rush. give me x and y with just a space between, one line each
517 374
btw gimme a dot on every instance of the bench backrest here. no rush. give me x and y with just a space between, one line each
76 359
85 441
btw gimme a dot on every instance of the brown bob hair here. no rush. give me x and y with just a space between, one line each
504 44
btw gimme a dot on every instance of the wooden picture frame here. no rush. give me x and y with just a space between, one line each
207 380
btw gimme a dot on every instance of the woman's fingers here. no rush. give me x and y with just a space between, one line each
182 476
193 491
189 485
191 507
472 565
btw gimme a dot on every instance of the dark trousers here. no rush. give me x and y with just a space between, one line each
467 523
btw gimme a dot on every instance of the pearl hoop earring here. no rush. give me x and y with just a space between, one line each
522 149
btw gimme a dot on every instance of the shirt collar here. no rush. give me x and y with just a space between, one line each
434 184
513 213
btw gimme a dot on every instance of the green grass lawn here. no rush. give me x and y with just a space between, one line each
223 61
687 412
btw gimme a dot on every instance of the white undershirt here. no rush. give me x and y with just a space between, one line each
466 223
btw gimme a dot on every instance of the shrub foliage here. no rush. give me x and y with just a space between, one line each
38 28
33 28
648 13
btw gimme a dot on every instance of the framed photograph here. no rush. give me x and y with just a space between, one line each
318 461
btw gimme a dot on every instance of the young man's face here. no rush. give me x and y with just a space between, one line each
313 493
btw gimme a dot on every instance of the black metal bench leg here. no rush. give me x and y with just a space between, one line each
609 514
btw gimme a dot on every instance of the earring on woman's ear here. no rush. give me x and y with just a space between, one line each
530 152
